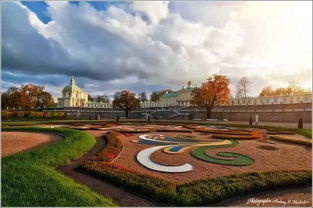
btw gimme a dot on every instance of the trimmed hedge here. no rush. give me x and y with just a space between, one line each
292 140
32 114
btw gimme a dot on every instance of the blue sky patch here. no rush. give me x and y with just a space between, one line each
39 8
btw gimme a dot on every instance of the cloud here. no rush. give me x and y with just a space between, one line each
155 11
141 45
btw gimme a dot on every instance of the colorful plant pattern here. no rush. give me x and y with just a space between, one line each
175 147
235 158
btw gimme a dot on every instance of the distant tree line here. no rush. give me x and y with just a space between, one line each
99 98
292 89
155 95
28 96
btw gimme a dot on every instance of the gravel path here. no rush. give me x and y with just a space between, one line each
121 196
15 142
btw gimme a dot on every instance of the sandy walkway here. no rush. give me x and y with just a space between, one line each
15 142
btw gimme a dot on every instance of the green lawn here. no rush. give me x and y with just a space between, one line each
31 178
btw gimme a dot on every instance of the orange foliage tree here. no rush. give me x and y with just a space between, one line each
27 97
211 93
290 90
126 101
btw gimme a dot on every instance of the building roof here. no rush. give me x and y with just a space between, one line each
174 94
167 95
72 87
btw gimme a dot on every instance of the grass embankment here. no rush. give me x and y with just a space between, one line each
306 142
31 178
197 193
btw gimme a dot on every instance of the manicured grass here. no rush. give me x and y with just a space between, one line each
31 178
306 142
305 132
196 193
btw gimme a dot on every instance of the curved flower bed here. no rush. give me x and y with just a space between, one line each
31 178
196 193
110 152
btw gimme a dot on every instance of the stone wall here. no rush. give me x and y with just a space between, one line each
277 113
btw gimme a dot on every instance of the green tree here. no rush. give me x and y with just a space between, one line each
142 97
101 98
155 96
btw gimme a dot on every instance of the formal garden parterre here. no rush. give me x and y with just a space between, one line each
156 161
181 164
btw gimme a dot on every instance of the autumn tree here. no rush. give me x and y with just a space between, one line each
292 89
27 97
126 101
211 93
142 97
155 96
10 97
266 91
243 87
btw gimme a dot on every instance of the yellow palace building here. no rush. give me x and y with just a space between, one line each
73 96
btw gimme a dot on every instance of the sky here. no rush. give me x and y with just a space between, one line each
148 46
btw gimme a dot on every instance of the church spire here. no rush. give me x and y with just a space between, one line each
72 82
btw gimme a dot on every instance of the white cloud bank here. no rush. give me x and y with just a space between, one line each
160 43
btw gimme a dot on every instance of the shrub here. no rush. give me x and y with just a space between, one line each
8 114
300 124
55 114
306 142
20 114
35 114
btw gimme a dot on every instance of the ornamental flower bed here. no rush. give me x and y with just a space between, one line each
110 152
169 188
